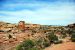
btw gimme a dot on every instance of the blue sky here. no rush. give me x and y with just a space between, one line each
47 12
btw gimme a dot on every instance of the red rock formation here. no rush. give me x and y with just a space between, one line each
21 25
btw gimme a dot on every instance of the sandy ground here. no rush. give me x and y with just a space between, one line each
63 46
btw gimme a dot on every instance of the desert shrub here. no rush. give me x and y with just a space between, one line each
64 33
26 45
63 36
34 48
52 37
42 43
19 47
9 36
33 31
39 43
73 37
46 44
70 31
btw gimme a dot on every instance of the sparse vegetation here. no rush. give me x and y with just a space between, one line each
26 45
42 43
52 37
73 37
43 35
9 36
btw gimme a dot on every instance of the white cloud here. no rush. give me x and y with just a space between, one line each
64 13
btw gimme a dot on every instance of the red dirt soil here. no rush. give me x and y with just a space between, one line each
63 46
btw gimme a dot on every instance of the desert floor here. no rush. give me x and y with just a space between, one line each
63 46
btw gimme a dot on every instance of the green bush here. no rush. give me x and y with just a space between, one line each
39 43
46 44
42 43
26 45
33 45
73 37
34 48
52 37
63 36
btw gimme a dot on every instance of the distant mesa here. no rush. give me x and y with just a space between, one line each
22 26
71 25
